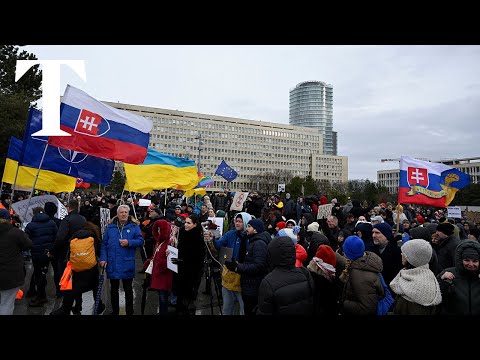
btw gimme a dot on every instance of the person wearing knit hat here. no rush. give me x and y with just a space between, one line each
4 214
388 251
280 225
300 252
417 289
322 269
353 247
417 252
257 225
385 229
460 284
290 223
446 228
254 268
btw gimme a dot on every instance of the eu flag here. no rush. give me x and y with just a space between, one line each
226 172
89 168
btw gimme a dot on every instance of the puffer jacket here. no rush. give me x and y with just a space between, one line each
120 259
42 231
254 268
286 290
462 295
363 287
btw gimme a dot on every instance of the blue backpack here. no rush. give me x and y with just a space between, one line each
386 302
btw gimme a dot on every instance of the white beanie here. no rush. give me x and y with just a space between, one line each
313 226
418 252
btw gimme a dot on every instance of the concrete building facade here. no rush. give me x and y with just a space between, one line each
251 147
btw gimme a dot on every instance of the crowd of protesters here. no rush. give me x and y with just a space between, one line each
285 259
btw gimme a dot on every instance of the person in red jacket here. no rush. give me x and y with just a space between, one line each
161 275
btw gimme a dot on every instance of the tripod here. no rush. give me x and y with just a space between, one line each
208 280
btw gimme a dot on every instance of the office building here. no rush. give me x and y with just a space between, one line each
311 105
253 148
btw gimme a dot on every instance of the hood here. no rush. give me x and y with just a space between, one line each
459 250
246 218
265 236
368 262
83 234
281 252
42 217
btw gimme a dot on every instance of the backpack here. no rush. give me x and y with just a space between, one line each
386 302
82 254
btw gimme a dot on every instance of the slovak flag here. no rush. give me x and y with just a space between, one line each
81 184
101 130
428 183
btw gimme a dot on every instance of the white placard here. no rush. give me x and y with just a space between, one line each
454 212
173 253
281 187
104 219
21 206
324 211
144 202
238 200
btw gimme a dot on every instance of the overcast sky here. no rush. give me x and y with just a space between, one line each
388 101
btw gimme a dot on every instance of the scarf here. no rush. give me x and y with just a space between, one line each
418 285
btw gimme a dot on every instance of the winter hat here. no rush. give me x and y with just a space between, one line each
446 228
296 229
4 214
281 225
178 207
289 233
377 218
421 232
313 227
257 225
353 247
291 221
470 253
418 252
323 200
334 201
385 229
326 253
220 213
287 196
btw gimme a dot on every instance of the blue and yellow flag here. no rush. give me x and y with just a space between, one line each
161 171
47 180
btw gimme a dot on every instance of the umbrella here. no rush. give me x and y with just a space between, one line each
145 286
98 298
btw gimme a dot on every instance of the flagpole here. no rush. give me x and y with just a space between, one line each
165 203
13 186
133 200
35 181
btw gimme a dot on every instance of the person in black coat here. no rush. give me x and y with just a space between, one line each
42 231
191 254
254 267
12 274
388 251
286 290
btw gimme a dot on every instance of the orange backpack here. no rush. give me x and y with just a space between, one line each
82 254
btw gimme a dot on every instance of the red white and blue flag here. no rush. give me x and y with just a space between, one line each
81 184
428 183
101 130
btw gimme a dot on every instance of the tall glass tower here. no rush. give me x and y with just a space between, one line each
311 105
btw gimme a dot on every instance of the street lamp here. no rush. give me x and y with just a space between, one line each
199 138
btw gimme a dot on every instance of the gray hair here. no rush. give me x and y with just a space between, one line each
123 206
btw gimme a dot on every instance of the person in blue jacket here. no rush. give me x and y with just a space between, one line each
117 253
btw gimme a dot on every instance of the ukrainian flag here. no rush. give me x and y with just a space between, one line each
161 171
47 180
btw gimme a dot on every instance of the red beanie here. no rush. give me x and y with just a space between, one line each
326 253
323 200
420 219
281 225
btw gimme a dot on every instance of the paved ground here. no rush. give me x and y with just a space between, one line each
151 308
